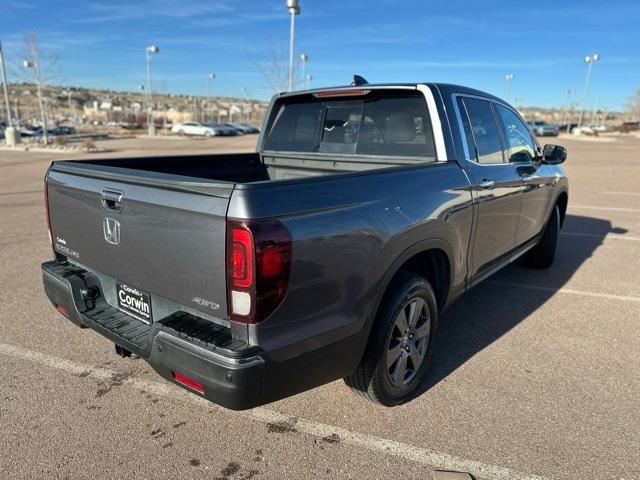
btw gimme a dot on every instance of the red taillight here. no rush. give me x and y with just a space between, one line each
63 310
258 264
188 382
242 257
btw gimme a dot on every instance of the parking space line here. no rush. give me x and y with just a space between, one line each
372 443
622 193
569 291
605 236
610 209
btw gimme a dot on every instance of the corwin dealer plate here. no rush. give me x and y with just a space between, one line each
134 302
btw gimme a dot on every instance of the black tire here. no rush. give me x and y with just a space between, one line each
544 253
377 378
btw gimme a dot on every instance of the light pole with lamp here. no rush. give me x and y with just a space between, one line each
589 60
509 78
308 79
294 9
150 125
36 69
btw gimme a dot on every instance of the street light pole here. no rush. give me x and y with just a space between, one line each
33 63
10 133
589 60
143 92
4 86
509 78
294 9
150 125
210 78
308 79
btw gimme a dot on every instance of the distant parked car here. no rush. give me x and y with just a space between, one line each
627 127
243 127
543 129
197 129
63 130
31 131
224 129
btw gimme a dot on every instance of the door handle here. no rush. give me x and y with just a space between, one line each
112 200
486 184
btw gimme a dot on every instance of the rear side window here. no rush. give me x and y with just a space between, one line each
483 128
387 124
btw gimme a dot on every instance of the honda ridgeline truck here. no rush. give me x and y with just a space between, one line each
328 253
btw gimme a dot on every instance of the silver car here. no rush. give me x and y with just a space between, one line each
543 129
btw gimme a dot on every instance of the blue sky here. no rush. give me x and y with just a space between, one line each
101 43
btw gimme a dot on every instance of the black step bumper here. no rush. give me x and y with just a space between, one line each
230 372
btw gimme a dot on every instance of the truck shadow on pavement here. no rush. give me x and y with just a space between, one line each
495 306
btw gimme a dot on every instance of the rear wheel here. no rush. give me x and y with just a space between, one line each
544 253
398 352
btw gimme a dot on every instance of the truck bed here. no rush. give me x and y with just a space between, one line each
235 167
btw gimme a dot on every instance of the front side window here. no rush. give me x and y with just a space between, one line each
522 148
380 123
482 124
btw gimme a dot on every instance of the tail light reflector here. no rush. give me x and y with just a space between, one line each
188 382
63 310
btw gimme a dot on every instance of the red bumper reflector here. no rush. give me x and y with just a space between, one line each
63 310
188 382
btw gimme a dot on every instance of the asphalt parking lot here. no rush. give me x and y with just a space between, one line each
536 374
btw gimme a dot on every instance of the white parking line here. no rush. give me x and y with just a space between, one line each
610 209
570 291
606 236
378 445
623 193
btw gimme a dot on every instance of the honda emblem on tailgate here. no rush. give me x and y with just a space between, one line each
111 229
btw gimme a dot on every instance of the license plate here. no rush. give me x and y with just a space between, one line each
134 302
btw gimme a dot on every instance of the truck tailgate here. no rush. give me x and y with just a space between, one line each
163 241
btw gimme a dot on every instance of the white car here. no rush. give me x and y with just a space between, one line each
195 128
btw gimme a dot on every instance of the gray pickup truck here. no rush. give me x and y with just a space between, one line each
328 253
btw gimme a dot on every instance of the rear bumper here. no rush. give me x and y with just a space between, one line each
233 374
230 372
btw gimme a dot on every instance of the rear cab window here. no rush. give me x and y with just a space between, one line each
381 123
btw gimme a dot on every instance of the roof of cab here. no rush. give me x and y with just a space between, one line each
445 89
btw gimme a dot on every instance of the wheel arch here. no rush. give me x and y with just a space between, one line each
562 201
432 260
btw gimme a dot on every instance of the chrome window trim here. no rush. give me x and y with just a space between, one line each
436 125
467 154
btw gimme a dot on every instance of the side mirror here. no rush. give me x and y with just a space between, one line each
553 154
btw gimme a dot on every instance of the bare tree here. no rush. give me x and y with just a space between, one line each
633 106
274 68
40 67
48 59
